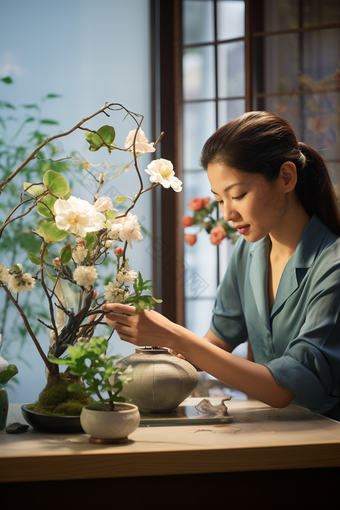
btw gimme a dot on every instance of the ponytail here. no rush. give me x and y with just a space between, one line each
315 189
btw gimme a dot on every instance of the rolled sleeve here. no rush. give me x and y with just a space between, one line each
305 372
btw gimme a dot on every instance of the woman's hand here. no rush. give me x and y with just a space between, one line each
143 328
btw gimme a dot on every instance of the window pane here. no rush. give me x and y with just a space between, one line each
334 170
200 279
321 58
228 110
231 69
316 12
199 73
322 124
280 69
198 315
196 185
198 21
277 15
199 121
230 19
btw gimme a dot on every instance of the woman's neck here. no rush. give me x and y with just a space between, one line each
286 236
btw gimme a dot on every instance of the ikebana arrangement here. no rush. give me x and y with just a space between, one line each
86 235
205 217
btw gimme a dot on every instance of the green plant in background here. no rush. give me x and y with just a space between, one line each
73 240
20 128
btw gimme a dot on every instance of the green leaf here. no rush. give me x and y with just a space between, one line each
68 194
33 189
66 254
8 373
107 133
48 121
33 258
110 215
7 80
50 232
120 200
53 96
90 240
46 206
55 183
51 277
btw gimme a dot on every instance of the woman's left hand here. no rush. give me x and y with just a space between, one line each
143 328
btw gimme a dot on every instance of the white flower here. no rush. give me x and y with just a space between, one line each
85 276
4 275
19 283
108 244
126 276
161 172
115 294
3 364
103 204
126 227
141 146
78 216
79 253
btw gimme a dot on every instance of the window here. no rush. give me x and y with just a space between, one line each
213 92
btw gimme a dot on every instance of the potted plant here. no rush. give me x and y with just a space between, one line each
86 234
6 373
108 419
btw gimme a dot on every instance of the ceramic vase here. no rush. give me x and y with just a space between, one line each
3 406
160 380
110 426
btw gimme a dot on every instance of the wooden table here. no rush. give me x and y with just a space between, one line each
264 454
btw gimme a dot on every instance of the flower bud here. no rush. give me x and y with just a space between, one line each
187 221
118 251
190 239
57 262
108 243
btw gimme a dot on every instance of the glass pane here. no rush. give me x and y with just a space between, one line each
200 279
278 15
316 12
280 68
228 110
230 57
322 124
198 315
199 122
321 59
198 21
230 19
199 73
196 184
334 170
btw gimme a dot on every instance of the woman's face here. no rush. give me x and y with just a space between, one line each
254 206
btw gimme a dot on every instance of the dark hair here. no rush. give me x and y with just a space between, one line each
259 143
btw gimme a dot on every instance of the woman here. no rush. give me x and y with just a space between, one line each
282 286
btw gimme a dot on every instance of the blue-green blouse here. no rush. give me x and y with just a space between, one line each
299 341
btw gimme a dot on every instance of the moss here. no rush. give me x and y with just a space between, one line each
56 399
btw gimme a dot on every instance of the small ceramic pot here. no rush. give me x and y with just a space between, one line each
110 426
3 407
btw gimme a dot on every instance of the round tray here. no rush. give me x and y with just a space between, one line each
50 423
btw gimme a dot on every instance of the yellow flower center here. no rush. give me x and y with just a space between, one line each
165 172
73 219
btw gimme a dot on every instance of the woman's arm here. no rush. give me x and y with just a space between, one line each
250 378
